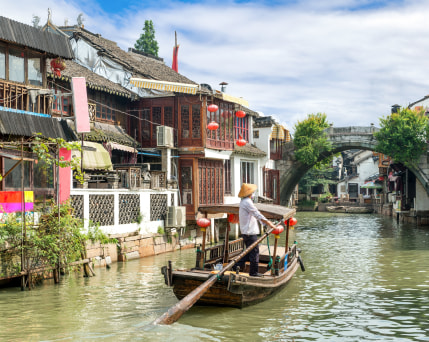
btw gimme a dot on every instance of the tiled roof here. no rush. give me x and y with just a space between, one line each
249 150
139 64
27 125
26 35
93 81
264 121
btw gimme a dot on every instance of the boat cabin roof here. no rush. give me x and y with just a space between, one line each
270 211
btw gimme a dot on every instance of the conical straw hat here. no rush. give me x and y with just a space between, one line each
246 190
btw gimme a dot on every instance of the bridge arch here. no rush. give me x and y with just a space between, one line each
342 139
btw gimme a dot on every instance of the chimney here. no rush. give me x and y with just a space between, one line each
223 86
395 108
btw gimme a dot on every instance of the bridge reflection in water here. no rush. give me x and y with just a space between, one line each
366 279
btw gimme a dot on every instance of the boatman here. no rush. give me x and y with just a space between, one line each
249 228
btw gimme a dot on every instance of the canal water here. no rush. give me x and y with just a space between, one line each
366 279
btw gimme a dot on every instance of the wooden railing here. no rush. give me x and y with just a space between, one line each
18 97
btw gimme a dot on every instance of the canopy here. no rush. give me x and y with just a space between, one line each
270 211
165 86
116 146
280 133
371 185
95 156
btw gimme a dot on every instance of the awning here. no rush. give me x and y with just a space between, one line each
95 156
371 185
238 100
165 86
280 133
116 146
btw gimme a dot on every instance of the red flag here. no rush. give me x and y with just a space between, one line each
175 66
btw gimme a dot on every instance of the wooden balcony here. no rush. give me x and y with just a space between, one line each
21 97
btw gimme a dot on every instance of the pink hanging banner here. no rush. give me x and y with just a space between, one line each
65 176
80 105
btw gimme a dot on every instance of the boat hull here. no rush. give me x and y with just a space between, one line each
231 290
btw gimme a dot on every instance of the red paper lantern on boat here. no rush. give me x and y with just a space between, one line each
292 221
203 222
240 114
233 218
277 231
241 141
213 125
212 108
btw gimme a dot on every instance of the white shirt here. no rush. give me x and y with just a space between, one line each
249 216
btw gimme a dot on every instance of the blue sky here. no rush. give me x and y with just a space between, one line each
351 59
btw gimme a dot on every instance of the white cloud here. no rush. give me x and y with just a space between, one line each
286 61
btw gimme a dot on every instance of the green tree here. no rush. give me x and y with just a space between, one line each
310 140
403 135
147 42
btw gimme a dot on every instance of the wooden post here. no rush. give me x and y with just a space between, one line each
23 227
203 249
287 236
226 248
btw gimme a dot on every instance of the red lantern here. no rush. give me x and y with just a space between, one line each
203 222
240 114
57 65
292 221
240 141
212 108
213 125
278 230
233 218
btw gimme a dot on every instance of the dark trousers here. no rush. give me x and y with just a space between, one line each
252 256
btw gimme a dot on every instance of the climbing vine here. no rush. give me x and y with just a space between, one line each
310 140
46 150
403 135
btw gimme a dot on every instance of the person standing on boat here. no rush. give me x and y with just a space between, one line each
249 216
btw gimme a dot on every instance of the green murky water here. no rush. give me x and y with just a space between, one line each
366 279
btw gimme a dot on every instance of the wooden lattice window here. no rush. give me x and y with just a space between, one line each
221 137
185 122
196 121
168 116
227 172
211 182
241 127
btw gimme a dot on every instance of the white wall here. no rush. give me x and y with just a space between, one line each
145 227
422 199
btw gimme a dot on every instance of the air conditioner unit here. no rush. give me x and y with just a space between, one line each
176 217
164 136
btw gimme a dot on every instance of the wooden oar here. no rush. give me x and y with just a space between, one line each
176 311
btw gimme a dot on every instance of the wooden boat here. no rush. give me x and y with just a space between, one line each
349 209
232 288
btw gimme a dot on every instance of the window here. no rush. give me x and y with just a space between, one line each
2 62
186 181
223 136
227 170
60 104
13 179
16 66
185 121
211 181
247 172
34 71
241 128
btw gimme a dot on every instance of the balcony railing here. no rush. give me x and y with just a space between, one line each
15 96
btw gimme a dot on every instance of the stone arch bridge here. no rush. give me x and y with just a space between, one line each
342 139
